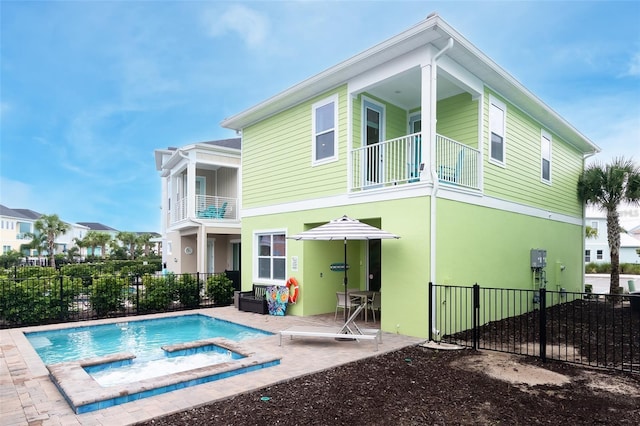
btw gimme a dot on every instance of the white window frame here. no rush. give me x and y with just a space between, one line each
314 134
545 138
256 256
599 254
587 256
499 129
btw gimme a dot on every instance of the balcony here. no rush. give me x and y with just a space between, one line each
207 207
397 162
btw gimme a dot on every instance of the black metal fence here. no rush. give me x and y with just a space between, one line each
579 328
60 298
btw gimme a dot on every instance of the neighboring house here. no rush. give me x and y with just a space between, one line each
597 249
426 137
200 206
14 225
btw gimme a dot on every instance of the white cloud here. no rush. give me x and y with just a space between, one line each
15 194
250 25
633 69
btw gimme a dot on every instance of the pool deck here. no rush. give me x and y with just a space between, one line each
29 397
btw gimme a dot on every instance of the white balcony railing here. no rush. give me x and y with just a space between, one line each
397 161
208 207
456 163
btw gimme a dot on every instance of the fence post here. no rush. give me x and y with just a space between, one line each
543 324
475 315
138 294
61 315
430 307
198 281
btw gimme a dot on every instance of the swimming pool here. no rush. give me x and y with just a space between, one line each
143 338
104 365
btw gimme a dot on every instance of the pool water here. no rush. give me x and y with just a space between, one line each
143 338
137 371
101 366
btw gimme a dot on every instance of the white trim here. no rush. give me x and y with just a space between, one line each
501 127
254 255
544 135
336 106
417 189
363 125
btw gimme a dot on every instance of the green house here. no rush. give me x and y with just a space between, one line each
423 136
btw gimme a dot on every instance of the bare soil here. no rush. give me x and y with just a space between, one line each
418 386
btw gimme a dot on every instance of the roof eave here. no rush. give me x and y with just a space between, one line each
431 29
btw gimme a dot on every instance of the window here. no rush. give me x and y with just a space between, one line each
6 249
325 134
497 125
599 254
271 259
545 154
587 255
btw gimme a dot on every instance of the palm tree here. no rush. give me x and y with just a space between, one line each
38 242
129 241
145 241
590 232
606 186
51 227
102 239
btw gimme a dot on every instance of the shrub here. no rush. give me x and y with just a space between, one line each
220 289
37 300
188 291
108 294
157 295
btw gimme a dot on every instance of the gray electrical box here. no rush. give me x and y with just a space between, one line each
538 258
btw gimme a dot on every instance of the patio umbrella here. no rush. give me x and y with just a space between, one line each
344 229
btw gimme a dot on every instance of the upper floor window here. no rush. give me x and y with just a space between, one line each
325 130
599 254
271 256
497 130
587 255
545 155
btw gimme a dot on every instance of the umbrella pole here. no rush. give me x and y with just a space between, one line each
345 280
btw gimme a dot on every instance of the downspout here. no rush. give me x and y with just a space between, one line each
434 177
584 225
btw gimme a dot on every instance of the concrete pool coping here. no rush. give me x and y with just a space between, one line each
84 394
30 397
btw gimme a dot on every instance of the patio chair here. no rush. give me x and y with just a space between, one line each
374 305
348 331
452 174
343 303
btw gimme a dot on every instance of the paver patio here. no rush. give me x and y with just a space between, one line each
29 397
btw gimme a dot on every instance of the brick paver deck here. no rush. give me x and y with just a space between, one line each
29 397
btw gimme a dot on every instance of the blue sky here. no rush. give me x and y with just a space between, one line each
88 90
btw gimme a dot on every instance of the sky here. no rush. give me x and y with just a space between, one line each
89 89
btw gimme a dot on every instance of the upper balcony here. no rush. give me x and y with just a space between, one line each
398 161
210 208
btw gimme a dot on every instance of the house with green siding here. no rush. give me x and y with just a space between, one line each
424 136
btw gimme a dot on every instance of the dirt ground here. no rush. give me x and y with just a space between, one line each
419 386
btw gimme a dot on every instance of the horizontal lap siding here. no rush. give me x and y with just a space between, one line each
276 158
457 118
520 180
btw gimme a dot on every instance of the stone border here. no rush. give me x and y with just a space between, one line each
84 394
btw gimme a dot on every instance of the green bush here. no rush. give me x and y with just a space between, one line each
220 289
157 295
188 291
108 294
605 268
37 300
